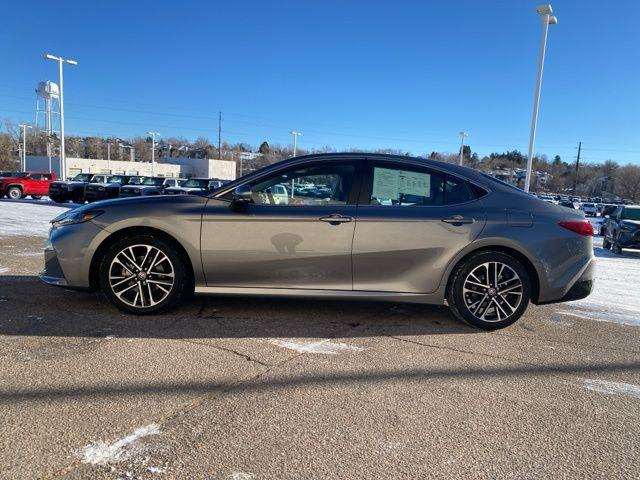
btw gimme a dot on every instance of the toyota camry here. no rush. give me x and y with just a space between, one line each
334 226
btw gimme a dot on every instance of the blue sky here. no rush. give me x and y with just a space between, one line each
406 75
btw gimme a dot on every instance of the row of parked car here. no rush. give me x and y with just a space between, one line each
89 187
592 207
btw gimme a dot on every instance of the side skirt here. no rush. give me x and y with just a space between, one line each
357 295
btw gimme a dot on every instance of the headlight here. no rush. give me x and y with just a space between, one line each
70 218
63 187
102 189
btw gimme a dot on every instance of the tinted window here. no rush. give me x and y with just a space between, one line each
312 185
456 190
631 214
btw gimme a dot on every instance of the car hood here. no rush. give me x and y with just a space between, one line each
59 182
143 187
631 223
103 184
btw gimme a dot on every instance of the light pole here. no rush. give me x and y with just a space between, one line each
153 148
545 12
131 150
462 134
295 141
60 60
23 160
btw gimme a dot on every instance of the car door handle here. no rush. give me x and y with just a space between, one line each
335 219
458 220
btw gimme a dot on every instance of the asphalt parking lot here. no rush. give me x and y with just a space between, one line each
236 388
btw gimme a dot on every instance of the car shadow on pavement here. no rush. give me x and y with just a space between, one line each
43 201
30 308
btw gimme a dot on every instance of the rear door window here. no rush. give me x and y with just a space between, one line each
408 186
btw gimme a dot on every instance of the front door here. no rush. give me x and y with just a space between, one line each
411 223
296 233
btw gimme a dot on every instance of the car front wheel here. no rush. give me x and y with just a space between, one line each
143 275
489 290
14 193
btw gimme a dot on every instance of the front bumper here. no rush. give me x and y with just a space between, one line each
67 255
95 195
628 239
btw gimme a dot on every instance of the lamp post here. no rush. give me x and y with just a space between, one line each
295 141
153 153
60 60
23 160
462 134
545 12
131 150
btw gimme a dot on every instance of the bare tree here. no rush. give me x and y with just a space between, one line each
627 180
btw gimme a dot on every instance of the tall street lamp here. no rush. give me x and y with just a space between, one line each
153 148
60 60
23 160
295 141
545 12
462 134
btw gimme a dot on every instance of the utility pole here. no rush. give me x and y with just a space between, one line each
219 135
23 160
153 151
575 177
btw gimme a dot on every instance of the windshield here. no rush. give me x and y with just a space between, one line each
82 177
631 214
136 180
115 179
196 183
155 181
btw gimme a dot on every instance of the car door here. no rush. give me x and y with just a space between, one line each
411 222
37 184
284 240
612 224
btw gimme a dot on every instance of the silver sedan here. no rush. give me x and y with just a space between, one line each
346 226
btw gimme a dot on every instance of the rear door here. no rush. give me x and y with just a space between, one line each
284 239
412 221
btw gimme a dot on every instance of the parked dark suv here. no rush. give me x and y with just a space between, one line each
623 228
63 191
109 189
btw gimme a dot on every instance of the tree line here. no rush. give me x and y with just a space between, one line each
608 179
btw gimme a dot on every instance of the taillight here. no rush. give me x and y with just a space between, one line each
582 227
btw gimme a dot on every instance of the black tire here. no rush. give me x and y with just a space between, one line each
14 193
615 248
606 244
36 197
460 302
181 279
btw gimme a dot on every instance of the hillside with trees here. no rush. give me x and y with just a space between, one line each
606 179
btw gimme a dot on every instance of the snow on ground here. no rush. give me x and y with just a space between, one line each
101 453
612 388
27 217
615 296
326 347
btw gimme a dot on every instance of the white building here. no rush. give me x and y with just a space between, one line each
182 167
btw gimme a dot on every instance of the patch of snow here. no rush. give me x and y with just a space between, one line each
242 476
155 470
27 218
325 347
101 453
612 388
29 254
4 269
614 297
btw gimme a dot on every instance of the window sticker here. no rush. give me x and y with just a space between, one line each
390 184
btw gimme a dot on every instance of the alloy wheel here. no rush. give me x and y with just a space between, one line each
141 276
492 291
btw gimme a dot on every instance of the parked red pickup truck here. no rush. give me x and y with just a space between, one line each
22 184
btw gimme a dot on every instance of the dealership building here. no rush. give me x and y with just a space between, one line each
180 167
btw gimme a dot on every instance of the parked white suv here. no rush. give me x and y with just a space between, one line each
589 209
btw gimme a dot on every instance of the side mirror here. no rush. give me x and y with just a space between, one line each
241 195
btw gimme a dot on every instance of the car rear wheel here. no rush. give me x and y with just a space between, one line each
143 275
14 193
489 290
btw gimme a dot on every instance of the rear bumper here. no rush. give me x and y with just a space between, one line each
580 288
